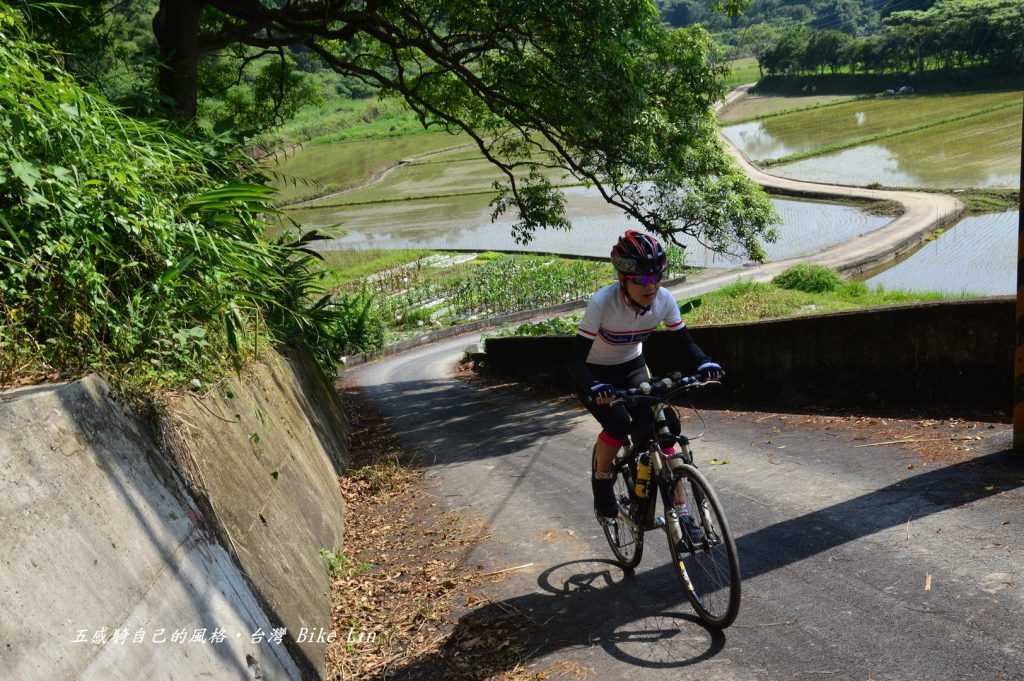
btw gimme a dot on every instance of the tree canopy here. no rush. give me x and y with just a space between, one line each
949 34
593 91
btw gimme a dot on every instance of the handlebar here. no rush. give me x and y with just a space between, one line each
660 389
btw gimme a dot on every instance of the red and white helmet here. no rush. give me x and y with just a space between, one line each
638 253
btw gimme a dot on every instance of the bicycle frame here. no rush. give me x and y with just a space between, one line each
663 478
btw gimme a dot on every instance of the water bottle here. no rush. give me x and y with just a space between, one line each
643 476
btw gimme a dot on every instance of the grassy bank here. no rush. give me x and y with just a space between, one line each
339 119
981 201
741 72
129 250
749 301
801 290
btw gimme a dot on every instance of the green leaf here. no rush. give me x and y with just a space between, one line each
717 462
690 305
14 234
26 172
60 173
172 274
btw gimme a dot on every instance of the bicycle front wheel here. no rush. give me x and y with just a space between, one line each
709 569
624 536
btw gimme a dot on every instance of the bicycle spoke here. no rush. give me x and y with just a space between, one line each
711 570
624 538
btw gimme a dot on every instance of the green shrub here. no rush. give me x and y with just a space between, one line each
341 566
555 326
129 249
809 278
856 289
676 260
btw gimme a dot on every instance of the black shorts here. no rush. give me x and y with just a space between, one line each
616 420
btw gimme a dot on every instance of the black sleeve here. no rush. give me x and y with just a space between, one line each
689 348
580 373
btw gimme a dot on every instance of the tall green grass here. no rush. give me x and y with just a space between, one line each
127 249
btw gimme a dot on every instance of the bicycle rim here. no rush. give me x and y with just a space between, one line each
710 572
625 539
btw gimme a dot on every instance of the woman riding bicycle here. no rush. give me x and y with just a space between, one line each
608 355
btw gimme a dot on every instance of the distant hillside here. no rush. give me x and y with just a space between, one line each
857 17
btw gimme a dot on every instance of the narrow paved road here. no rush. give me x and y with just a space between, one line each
838 543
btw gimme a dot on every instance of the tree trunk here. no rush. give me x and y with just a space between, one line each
176 27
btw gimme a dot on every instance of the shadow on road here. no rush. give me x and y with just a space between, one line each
580 604
449 421
643 620
912 498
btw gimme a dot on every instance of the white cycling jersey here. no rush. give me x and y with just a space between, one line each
618 329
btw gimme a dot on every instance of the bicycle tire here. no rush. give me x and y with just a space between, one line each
710 572
625 540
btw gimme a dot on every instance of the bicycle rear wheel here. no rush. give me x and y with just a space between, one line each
710 570
624 536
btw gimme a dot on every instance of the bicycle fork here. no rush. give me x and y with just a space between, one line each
670 521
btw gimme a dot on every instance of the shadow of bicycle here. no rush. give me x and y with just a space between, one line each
581 604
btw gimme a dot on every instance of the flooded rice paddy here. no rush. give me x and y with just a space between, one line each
805 131
977 256
322 168
451 176
977 152
751 106
463 222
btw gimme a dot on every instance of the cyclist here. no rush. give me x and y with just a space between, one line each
608 355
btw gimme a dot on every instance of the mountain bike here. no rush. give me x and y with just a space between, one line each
709 569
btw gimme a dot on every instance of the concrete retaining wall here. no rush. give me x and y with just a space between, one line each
262 454
99 536
954 354
109 555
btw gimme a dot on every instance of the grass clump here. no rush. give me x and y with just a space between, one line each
809 278
341 566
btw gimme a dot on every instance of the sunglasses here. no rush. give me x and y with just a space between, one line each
644 279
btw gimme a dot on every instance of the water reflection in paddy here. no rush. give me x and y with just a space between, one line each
758 143
981 151
464 223
978 255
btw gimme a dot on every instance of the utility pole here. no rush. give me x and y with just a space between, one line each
1018 359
